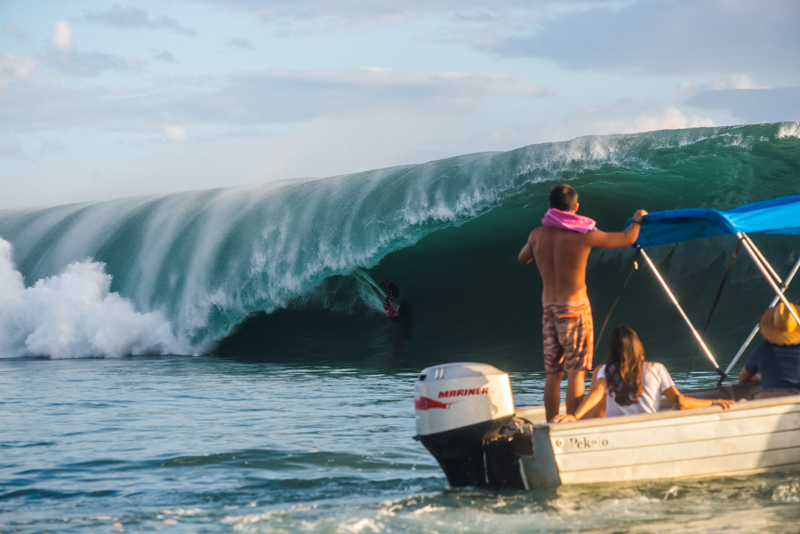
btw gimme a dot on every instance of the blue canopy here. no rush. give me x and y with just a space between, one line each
777 216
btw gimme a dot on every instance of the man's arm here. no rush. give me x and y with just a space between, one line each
526 254
744 377
600 239
749 372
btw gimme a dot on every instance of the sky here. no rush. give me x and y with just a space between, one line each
102 100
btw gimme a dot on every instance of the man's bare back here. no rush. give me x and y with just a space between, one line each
561 257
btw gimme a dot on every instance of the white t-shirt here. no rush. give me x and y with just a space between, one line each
656 380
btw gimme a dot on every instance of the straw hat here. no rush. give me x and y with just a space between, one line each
779 327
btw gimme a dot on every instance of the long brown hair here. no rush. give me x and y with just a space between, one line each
624 365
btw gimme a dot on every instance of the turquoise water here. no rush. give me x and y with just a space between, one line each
218 361
212 444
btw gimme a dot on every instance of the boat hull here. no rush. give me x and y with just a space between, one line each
752 437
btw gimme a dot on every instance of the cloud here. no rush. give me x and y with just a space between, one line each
61 38
237 42
752 105
164 55
134 17
663 37
10 29
257 98
735 81
174 133
15 68
670 119
284 95
316 9
63 55
626 116
314 16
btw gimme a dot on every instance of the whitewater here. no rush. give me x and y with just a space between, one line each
180 273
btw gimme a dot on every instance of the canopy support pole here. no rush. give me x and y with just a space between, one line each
753 332
761 257
683 314
749 246
716 301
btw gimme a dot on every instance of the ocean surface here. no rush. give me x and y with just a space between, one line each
219 361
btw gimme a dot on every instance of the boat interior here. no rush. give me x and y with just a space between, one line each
738 392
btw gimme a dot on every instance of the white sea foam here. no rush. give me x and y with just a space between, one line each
791 129
74 314
362 525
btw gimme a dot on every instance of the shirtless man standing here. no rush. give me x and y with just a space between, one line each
561 249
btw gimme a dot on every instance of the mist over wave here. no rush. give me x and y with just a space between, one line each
179 273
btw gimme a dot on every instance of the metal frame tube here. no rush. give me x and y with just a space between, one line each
683 314
784 287
762 258
749 247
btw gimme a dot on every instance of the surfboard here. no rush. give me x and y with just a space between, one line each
391 312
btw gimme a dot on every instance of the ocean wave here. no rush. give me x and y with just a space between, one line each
193 266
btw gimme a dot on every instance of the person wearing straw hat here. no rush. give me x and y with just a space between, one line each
776 362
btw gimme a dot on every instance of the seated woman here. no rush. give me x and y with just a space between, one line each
630 385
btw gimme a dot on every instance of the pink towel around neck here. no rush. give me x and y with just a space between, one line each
568 221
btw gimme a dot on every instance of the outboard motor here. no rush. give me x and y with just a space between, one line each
459 407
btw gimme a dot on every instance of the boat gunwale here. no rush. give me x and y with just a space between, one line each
661 415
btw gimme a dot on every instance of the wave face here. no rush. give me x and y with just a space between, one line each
286 270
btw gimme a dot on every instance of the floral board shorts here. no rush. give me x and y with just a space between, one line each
568 335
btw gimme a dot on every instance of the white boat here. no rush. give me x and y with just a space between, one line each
466 417
753 436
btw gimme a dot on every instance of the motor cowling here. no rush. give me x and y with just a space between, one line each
457 395
458 407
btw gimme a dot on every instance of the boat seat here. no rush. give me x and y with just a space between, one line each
772 393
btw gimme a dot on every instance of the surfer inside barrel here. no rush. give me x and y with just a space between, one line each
392 292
